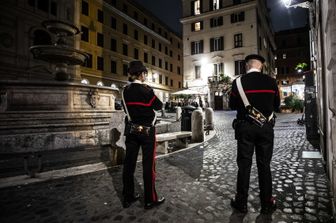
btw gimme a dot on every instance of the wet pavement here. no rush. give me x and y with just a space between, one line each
197 183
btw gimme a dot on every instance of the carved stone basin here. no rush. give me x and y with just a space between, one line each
60 28
58 54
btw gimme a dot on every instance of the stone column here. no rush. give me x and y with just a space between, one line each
197 126
209 120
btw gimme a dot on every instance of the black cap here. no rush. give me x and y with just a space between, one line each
136 67
254 57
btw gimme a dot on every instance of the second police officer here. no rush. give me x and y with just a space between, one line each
262 93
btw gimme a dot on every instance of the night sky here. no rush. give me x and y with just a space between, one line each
170 11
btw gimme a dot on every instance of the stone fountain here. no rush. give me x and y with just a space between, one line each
58 121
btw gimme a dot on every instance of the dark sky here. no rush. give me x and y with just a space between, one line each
170 11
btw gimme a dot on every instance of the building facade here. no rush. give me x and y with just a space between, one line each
217 35
117 32
292 49
323 51
20 28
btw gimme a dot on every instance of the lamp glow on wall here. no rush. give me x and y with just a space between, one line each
206 68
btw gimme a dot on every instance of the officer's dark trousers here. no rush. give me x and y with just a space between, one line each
133 144
251 137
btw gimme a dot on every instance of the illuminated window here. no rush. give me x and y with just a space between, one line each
284 56
197 26
196 7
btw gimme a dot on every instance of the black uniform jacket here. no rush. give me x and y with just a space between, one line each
141 100
262 92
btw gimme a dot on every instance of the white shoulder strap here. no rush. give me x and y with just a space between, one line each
125 106
241 92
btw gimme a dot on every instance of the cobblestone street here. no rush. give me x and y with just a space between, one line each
197 183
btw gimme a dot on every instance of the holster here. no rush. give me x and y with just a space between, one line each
136 129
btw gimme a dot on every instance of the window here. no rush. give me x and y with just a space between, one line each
113 23
170 53
218 21
136 34
135 16
114 45
237 17
153 43
171 82
178 57
113 67
197 26
145 39
85 8
217 44
218 69
85 34
178 70
100 63
53 8
125 29
136 53
146 57
171 67
238 40
197 72
166 81
239 67
100 16
100 39
179 84
145 22
125 8
166 50
160 63
196 7
125 69
166 65
236 2
160 46
153 60
43 5
125 49
215 4
197 47
159 30
160 78
88 62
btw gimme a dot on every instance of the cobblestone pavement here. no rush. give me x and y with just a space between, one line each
197 183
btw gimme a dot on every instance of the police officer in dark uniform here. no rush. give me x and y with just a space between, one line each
262 93
140 103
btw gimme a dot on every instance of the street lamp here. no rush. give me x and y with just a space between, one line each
288 4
